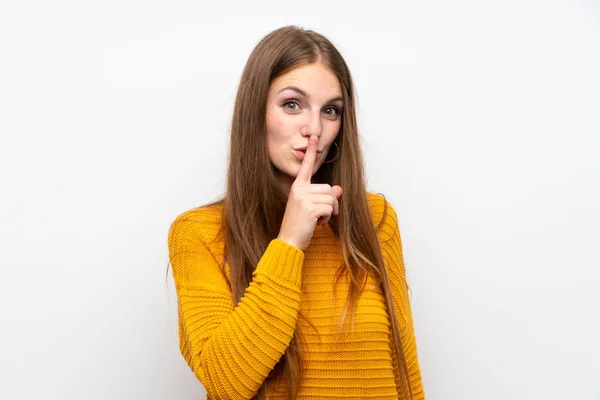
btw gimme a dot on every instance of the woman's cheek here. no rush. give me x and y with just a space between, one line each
284 126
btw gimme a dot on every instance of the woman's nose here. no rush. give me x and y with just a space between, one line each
313 125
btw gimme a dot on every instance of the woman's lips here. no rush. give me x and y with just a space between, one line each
301 154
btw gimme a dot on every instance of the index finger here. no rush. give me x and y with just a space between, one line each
305 173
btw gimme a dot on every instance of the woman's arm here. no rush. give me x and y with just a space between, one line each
232 349
391 247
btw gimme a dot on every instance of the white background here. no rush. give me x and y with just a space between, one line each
479 123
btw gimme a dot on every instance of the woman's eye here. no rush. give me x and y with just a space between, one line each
336 112
291 102
293 105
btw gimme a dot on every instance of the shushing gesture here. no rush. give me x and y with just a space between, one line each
308 204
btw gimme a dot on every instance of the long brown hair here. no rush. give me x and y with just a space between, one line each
254 204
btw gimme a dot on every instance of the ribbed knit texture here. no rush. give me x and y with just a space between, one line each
232 349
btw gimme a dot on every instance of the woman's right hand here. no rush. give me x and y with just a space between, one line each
308 203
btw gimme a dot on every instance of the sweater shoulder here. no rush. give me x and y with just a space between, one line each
204 223
383 215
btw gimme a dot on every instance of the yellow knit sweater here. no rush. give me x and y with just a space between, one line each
232 349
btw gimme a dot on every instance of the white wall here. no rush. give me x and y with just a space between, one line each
480 124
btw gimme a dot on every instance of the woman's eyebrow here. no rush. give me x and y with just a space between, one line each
303 93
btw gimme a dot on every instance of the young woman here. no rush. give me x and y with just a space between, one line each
293 284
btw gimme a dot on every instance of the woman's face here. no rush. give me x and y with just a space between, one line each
303 102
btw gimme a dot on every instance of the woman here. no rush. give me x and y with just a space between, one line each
293 285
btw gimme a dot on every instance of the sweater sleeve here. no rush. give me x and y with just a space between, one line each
391 247
232 349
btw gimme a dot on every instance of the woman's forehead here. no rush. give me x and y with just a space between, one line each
308 80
